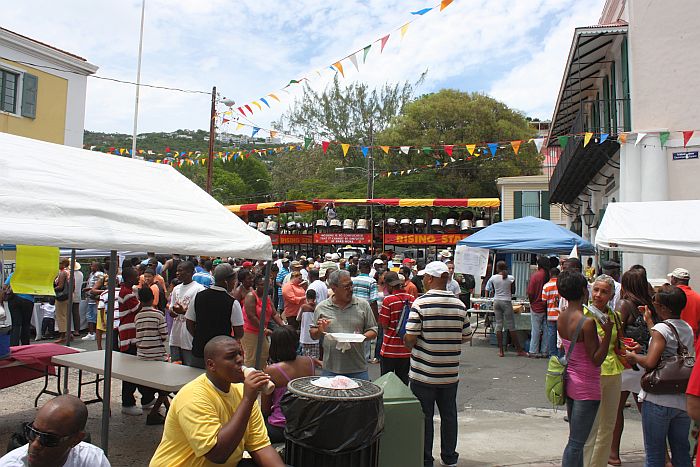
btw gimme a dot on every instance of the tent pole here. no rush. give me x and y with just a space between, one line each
261 324
109 333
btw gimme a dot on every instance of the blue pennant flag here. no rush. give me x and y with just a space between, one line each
365 150
421 12
493 147
264 101
255 131
603 137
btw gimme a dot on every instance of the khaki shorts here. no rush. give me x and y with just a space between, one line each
249 343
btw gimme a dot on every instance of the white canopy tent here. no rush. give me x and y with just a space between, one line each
652 227
54 195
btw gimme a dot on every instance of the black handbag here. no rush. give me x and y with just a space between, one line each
672 373
63 292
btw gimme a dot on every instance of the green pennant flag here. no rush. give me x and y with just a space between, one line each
663 137
366 50
563 141
427 150
307 142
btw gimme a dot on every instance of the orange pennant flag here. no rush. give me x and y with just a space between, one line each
622 138
516 146
274 97
385 149
345 149
273 133
587 138
470 148
444 4
339 66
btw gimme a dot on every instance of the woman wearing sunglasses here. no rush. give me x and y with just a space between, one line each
55 438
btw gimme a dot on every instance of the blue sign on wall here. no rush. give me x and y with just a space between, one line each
680 156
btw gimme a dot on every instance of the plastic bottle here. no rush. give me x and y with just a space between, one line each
269 387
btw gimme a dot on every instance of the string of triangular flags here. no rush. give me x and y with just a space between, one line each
336 67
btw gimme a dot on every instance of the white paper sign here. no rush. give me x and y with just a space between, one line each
471 260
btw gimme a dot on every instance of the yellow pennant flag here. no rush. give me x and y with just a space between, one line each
239 126
257 104
274 97
35 270
345 149
339 66
516 146
404 28
385 149
586 138
470 148
444 4
121 151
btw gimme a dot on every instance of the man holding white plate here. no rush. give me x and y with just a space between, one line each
345 322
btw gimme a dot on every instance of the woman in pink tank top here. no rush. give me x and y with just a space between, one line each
285 366
583 370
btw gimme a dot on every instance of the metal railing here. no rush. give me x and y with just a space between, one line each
531 210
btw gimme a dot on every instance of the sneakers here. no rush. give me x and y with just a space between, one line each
89 337
447 465
149 405
133 410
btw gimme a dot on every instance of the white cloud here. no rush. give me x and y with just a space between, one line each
248 49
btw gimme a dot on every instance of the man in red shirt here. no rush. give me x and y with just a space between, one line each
538 308
395 356
129 305
691 313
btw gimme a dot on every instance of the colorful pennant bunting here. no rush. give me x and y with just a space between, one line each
663 137
345 148
516 146
686 137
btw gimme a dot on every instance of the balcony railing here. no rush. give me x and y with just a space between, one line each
611 116
531 210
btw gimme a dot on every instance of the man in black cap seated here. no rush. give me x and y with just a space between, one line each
612 269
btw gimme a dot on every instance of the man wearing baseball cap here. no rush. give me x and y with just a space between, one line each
395 356
436 328
680 277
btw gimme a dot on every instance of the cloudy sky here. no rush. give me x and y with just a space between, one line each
513 50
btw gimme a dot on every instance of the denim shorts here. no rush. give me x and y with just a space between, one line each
92 313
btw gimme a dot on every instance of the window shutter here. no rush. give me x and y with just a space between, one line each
544 204
30 87
517 204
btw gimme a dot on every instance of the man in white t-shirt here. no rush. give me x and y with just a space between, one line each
55 438
452 284
183 294
318 284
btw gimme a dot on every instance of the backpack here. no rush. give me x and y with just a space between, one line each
555 378
403 319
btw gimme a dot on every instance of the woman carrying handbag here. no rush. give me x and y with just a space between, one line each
664 415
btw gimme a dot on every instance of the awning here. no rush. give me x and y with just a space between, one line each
587 57
302 205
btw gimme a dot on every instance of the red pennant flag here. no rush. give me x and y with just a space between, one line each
111 149
325 145
167 149
240 109
448 149
686 136
249 109
384 40
225 120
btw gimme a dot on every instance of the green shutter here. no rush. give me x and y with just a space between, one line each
613 99
544 204
624 67
606 105
596 113
30 87
517 204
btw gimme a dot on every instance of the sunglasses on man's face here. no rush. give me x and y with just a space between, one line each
48 440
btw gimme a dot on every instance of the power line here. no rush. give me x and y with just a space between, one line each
166 88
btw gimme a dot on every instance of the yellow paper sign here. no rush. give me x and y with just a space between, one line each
35 270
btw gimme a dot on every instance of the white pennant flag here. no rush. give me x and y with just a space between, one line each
404 149
538 144
353 59
452 159
640 137
574 252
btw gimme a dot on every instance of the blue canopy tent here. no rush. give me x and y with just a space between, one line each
528 235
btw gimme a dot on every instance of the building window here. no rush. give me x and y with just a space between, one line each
531 203
9 85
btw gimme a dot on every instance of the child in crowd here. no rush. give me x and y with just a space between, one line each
48 323
309 346
151 330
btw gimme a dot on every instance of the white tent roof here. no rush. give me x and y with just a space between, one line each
56 195
654 227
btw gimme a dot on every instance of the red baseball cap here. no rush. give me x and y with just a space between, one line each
247 264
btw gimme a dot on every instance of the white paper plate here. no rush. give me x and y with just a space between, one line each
328 383
347 337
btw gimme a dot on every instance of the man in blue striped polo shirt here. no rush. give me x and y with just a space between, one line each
436 328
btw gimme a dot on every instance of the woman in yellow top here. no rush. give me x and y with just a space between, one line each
597 447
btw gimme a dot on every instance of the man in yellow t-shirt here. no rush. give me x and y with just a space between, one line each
212 420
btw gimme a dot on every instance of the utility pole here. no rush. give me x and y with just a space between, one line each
138 82
212 137
370 183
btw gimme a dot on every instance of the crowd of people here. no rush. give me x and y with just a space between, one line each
208 313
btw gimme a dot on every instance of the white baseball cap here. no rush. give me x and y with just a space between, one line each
435 269
328 256
335 257
679 273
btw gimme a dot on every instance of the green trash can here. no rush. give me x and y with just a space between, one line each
402 440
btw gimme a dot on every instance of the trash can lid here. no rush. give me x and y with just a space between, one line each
393 387
303 387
